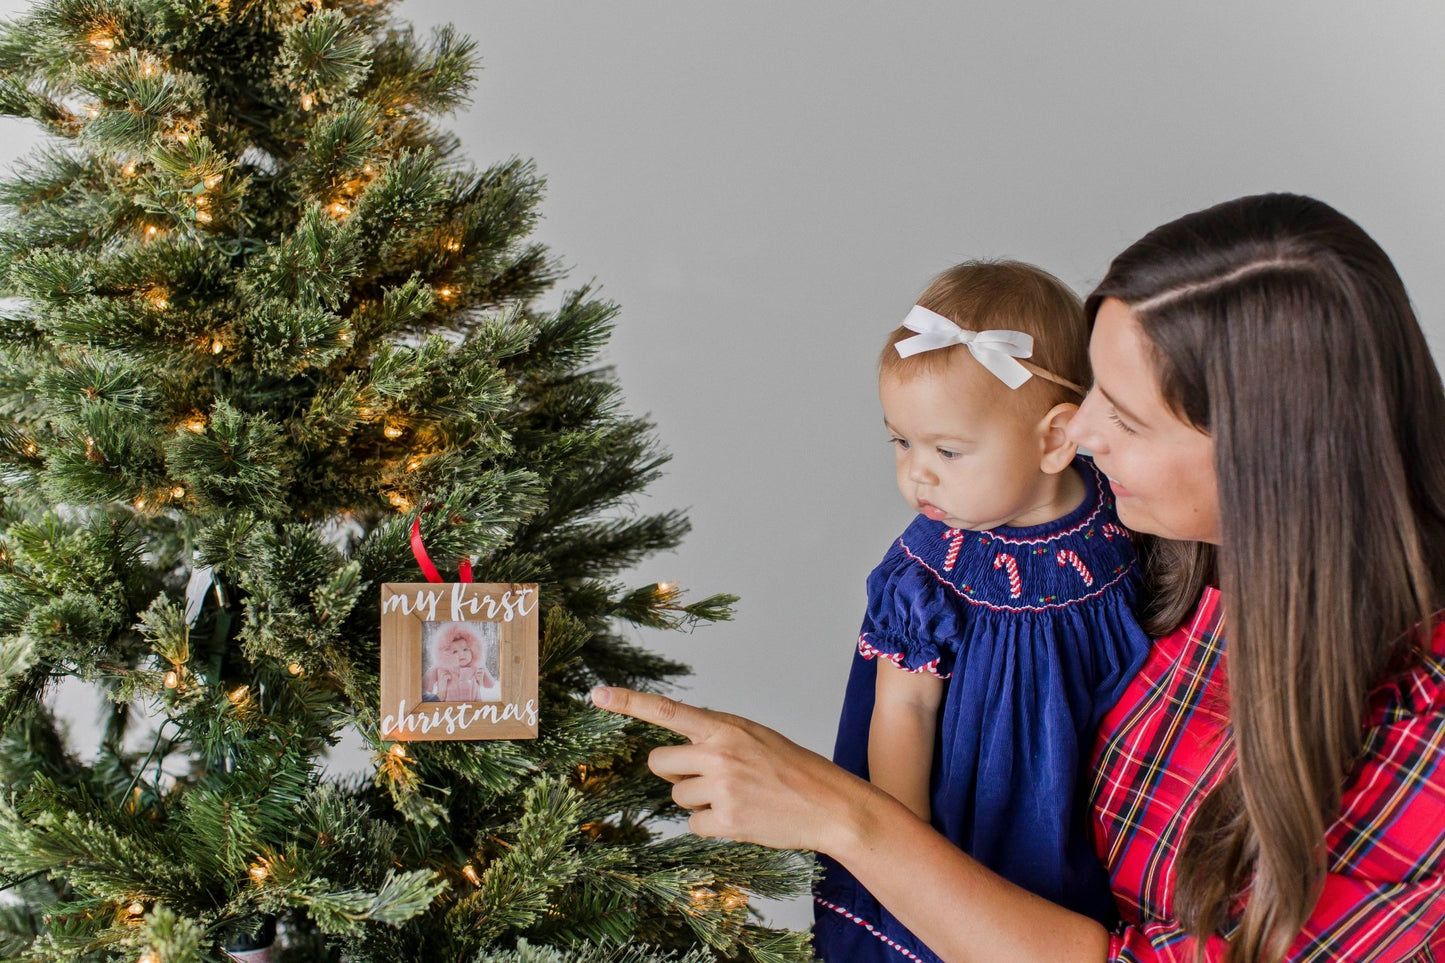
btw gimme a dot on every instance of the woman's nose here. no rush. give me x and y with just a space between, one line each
1082 428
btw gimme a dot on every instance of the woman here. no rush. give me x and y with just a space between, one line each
1264 403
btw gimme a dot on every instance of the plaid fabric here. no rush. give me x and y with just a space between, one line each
1164 745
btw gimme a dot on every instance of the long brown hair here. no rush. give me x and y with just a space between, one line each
1282 329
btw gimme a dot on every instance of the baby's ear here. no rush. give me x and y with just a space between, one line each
1056 450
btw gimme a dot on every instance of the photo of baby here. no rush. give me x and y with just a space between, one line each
461 662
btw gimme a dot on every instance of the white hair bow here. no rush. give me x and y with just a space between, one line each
997 351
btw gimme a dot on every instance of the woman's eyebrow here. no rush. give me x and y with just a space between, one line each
1118 407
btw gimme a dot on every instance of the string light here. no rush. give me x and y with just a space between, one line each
172 680
137 908
128 169
218 346
307 101
140 504
152 232
734 899
294 668
203 217
92 111
398 750
339 209
445 293
148 69
414 464
393 430
178 492
666 589
238 694
367 168
158 298
399 501
471 874
195 423
213 181
102 43
259 871
149 956
453 244
31 448
344 337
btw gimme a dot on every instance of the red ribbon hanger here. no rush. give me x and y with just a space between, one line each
418 548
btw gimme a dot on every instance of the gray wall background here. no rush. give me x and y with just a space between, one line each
766 187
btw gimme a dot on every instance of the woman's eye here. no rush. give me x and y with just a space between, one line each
1114 417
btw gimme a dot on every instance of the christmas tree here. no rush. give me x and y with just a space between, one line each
263 321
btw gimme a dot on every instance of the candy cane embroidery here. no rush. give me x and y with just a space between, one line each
1015 584
1110 530
957 535
1068 556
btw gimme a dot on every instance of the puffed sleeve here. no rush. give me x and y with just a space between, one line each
913 618
1381 898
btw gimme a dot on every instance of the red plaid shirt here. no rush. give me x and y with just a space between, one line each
1163 746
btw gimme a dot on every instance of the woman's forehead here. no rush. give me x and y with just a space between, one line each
1124 368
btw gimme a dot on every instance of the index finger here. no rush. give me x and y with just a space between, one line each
689 721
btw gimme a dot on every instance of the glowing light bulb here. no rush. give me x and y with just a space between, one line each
172 680
338 209
148 70
294 668
414 464
367 168
218 346
203 217
445 292
213 181
137 908
31 448
399 501
259 871
128 169
178 492
307 101
666 589
149 956
453 244
140 504
393 431
238 694
196 423
398 750
344 337
152 230
471 875
102 43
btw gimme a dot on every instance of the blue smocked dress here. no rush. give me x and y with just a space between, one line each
1034 630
